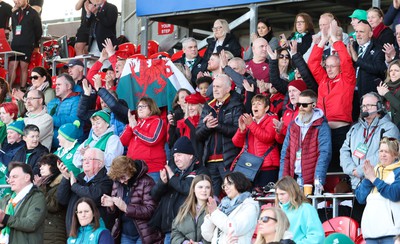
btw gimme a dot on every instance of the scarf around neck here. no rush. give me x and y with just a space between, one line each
378 30
227 205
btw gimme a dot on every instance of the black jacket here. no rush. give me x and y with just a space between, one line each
227 126
36 153
118 107
172 195
103 25
68 195
371 67
31 29
230 44
197 67
305 44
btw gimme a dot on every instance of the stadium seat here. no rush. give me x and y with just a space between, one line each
342 224
127 47
158 54
152 48
360 240
202 51
3 73
138 55
176 56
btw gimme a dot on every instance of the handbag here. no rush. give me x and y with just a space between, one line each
249 164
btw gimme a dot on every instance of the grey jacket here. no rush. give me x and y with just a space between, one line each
355 136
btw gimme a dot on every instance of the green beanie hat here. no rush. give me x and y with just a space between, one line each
17 126
70 131
102 114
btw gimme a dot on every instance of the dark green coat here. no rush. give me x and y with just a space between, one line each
54 225
189 229
27 224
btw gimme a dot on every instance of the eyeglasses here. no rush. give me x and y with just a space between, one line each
281 56
35 77
142 106
368 106
300 22
227 184
265 219
31 98
90 159
81 212
304 105
216 28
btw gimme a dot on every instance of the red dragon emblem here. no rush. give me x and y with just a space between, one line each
157 72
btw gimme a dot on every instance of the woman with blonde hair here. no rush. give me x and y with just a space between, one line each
186 225
273 227
380 191
303 217
222 40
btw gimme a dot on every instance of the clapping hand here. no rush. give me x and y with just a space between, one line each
369 171
132 119
382 88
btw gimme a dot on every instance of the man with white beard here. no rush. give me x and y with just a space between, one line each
307 148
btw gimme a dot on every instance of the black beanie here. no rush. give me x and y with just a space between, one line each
183 145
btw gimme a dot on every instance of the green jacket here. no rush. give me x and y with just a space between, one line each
27 224
189 229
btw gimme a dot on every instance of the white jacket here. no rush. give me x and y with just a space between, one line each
243 219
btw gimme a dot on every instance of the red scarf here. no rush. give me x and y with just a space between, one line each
184 129
378 30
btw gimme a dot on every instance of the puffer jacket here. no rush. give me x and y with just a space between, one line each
316 150
65 111
27 224
355 136
228 117
33 159
54 224
261 136
141 206
188 229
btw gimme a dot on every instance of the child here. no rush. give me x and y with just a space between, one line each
202 85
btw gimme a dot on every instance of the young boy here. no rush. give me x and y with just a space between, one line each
202 85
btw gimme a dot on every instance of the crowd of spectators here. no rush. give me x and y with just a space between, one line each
82 165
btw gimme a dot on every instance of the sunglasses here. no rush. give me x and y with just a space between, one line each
304 105
35 77
281 56
265 219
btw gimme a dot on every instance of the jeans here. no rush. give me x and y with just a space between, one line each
167 238
217 173
125 239
382 240
155 176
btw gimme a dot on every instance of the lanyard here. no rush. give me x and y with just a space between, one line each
21 14
367 135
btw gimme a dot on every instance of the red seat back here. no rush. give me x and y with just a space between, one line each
158 54
127 47
342 224
177 55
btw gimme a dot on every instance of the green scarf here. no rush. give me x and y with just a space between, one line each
5 233
393 85
298 35
100 144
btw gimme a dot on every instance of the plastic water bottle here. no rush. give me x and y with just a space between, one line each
318 187
300 182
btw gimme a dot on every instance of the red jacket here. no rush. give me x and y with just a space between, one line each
261 138
335 96
287 117
146 142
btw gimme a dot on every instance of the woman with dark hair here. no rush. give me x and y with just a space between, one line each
130 201
273 227
41 80
264 30
186 225
5 95
177 113
303 29
303 217
236 213
145 136
48 182
87 224
222 39
390 91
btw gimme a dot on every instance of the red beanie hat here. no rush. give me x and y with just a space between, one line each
299 85
196 98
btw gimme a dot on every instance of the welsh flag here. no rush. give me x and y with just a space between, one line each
155 78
